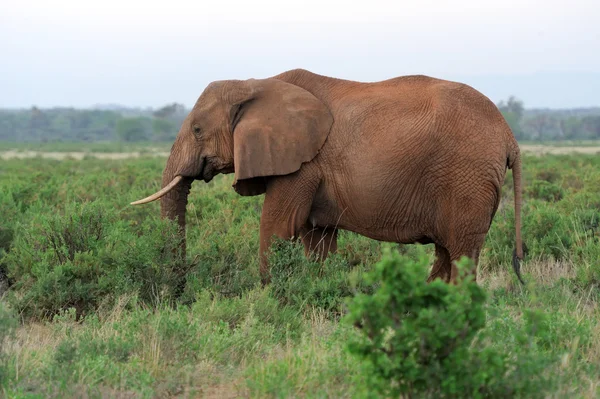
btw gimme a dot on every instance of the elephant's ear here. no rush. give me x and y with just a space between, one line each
279 128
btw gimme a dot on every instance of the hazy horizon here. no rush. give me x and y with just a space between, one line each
148 54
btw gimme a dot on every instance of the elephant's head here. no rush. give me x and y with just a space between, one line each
255 128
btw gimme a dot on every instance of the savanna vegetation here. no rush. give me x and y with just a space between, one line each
97 303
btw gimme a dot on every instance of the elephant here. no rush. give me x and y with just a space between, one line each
411 159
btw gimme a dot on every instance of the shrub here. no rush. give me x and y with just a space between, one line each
222 232
9 212
303 282
426 340
546 191
7 326
547 233
549 175
85 256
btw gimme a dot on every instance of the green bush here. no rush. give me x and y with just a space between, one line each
10 213
222 237
7 326
85 256
551 175
304 283
549 234
543 190
426 340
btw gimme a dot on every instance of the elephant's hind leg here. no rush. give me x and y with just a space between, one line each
470 246
441 267
320 242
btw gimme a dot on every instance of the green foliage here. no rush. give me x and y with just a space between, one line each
561 212
7 327
551 175
83 257
418 338
306 283
548 231
120 316
164 130
546 191
132 129
9 209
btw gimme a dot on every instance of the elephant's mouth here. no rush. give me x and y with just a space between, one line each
212 166
206 171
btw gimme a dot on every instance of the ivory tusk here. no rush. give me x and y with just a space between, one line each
160 193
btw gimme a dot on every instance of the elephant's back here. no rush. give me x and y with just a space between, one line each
419 111
407 122
471 125
414 112
412 135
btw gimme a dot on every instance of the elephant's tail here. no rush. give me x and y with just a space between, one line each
514 163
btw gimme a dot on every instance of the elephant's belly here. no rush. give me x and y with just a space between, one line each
385 232
377 214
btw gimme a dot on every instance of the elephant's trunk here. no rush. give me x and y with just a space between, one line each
176 184
173 203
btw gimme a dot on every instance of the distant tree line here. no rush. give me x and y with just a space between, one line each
91 125
548 125
162 125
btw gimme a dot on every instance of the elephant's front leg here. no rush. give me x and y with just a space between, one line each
285 212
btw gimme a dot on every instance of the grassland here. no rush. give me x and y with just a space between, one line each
98 308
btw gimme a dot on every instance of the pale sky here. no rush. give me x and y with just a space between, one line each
149 53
